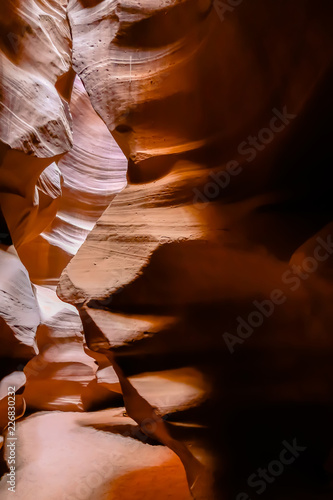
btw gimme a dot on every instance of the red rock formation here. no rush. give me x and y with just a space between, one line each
99 463
18 310
92 172
36 64
202 288
179 92
35 67
19 319
63 375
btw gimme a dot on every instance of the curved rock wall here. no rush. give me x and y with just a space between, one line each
212 118
35 60
202 286
92 172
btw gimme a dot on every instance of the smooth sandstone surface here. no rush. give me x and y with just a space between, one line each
58 375
92 459
35 56
208 222
35 67
173 109
195 302
18 308
92 172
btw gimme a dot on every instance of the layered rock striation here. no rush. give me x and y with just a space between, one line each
213 119
197 297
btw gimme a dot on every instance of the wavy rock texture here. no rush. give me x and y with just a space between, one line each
212 213
18 310
63 375
19 320
57 378
35 68
35 43
201 289
92 172
35 131
36 81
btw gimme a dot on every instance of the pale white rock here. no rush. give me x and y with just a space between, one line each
15 379
92 173
9 385
35 123
49 182
35 55
18 308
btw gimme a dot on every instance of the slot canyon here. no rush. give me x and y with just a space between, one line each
166 250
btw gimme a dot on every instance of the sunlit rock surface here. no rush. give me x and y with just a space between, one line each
35 55
92 172
35 133
201 290
19 314
100 456
57 376
63 376
35 68
217 122
10 384
19 320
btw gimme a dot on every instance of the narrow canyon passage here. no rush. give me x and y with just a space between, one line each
166 249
